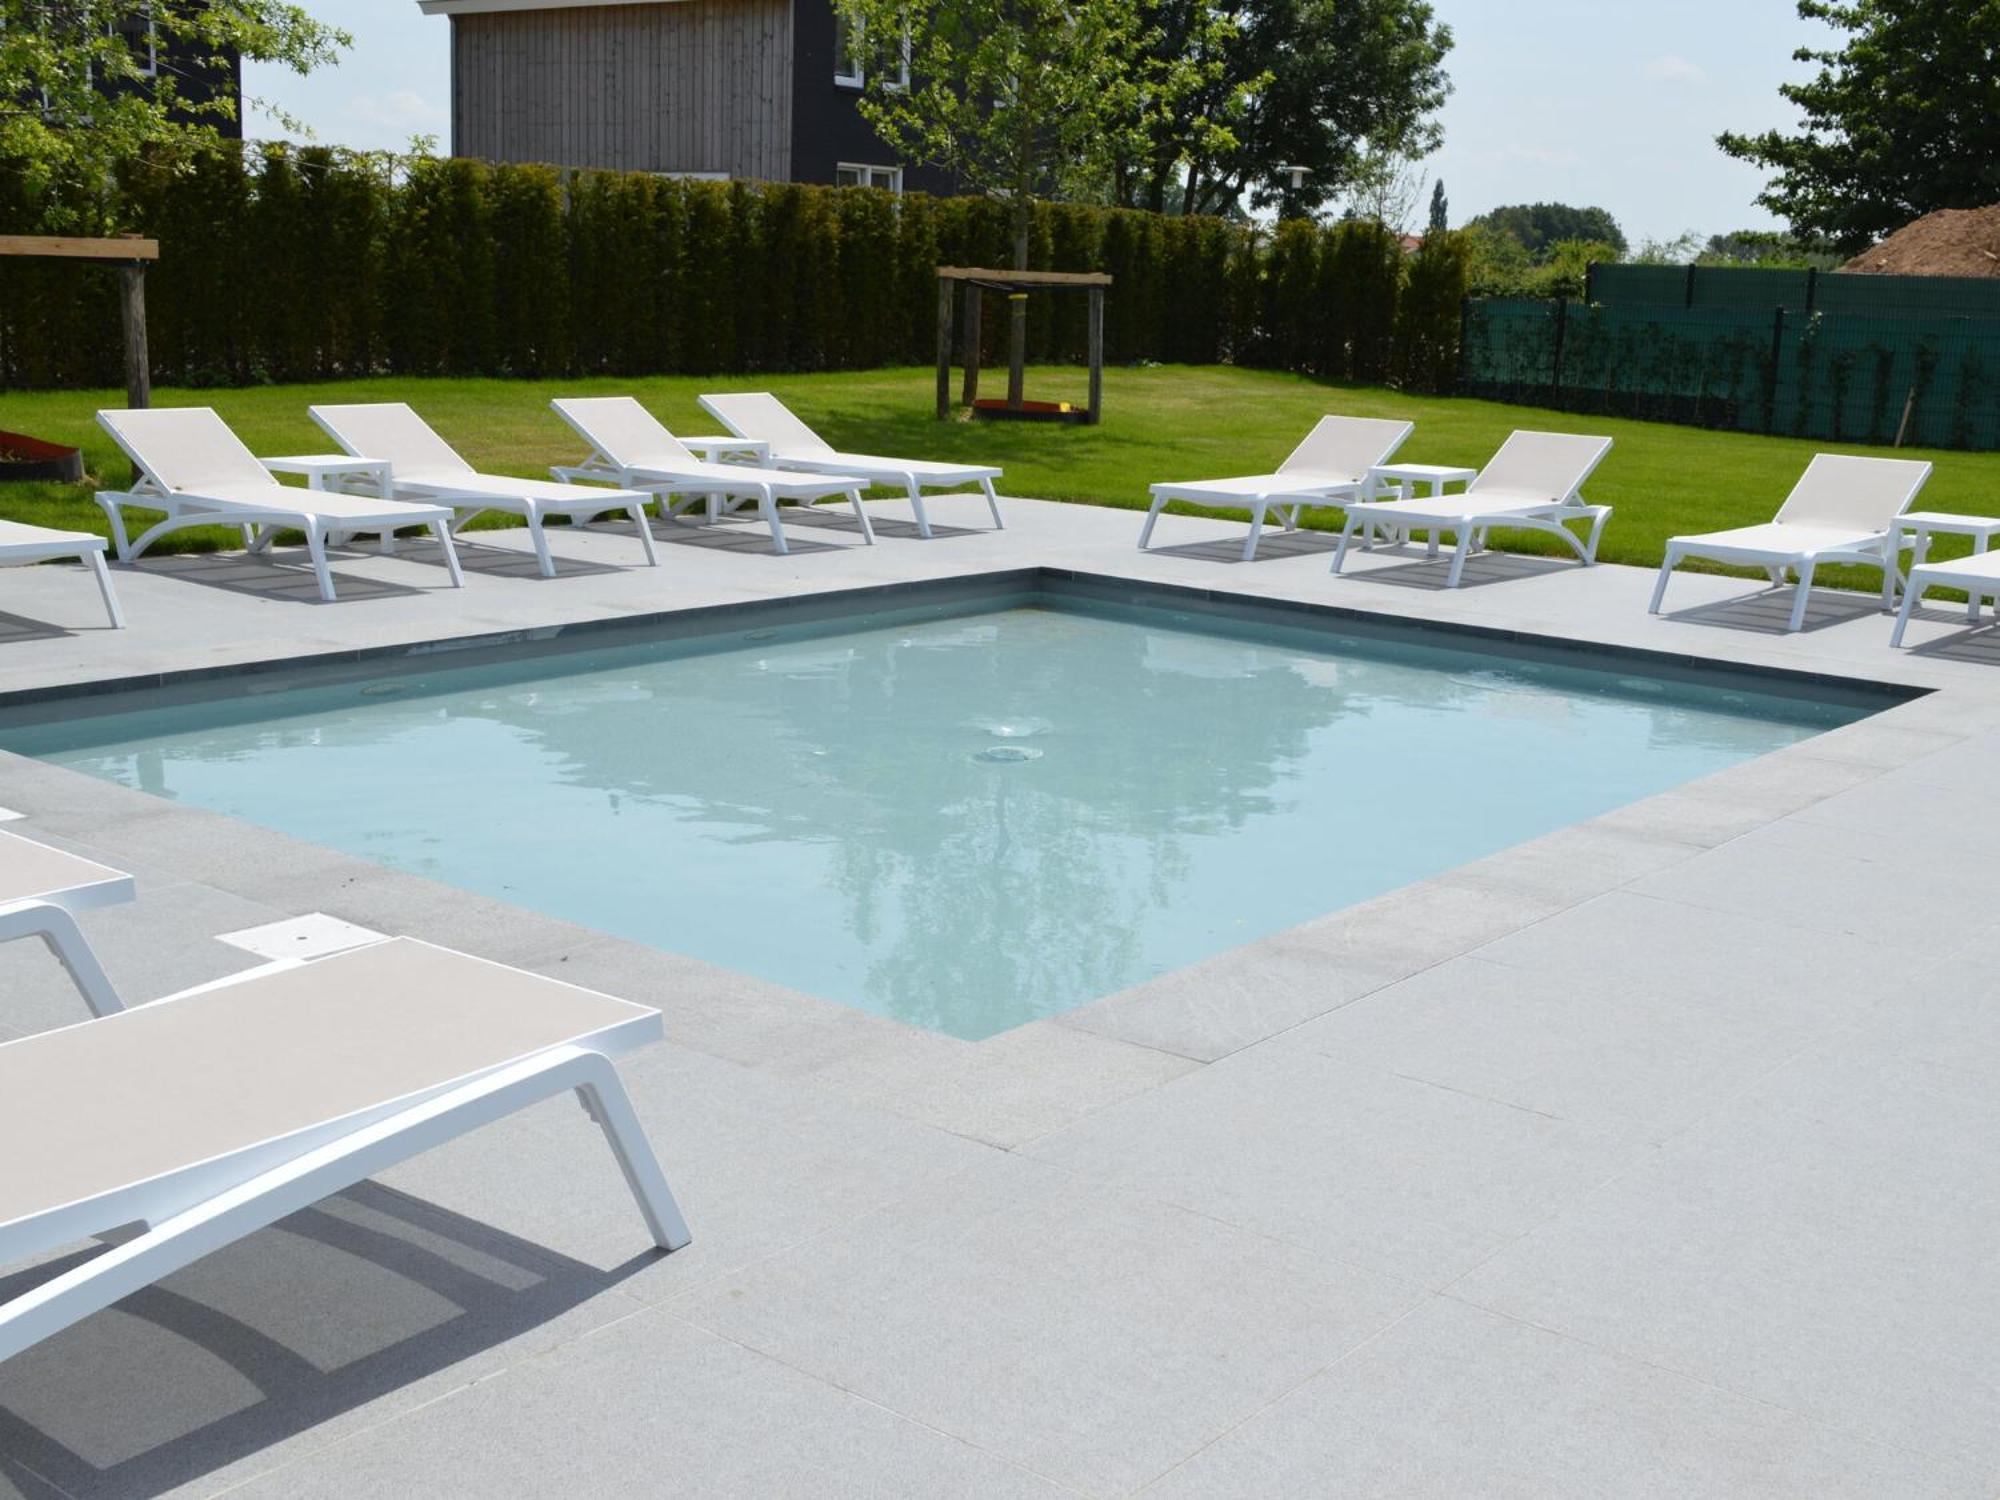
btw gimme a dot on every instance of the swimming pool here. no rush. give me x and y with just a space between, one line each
961 816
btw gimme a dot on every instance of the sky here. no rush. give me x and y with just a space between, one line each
1608 102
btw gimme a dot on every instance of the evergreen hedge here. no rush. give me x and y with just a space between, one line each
281 263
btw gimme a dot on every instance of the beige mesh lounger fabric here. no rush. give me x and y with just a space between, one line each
1843 509
196 470
208 1115
1534 483
425 467
40 891
763 418
631 448
22 543
1332 465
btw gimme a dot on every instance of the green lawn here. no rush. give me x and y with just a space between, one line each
1161 423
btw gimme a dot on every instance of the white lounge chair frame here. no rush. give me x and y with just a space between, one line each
1333 465
791 444
160 1224
22 544
425 467
1843 509
1533 483
632 449
47 887
196 470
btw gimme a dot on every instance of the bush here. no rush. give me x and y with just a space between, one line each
295 264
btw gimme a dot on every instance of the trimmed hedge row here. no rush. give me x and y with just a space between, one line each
287 264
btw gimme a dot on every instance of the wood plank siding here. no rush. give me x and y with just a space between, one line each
691 86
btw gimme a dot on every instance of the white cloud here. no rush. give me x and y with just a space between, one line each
401 109
1671 68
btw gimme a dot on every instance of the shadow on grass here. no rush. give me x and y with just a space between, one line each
334 1307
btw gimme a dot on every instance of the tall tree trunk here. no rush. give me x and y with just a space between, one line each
1017 304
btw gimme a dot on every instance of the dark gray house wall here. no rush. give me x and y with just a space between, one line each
737 88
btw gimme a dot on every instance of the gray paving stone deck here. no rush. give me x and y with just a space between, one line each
1648 1158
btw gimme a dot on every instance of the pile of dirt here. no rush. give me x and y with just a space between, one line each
1950 242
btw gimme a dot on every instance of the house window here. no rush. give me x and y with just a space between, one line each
136 27
846 52
853 174
849 71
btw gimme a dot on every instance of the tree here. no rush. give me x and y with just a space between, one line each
1322 84
1011 95
1440 210
1901 119
1767 248
80 97
1540 225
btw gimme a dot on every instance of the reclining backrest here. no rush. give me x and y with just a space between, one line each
1348 446
186 448
1860 494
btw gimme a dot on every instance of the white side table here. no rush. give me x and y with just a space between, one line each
319 468
1403 480
722 450
1919 526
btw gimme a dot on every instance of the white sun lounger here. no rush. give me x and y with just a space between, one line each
196 470
425 467
41 890
1978 575
204 1117
1534 483
1843 509
22 543
631 448
762 417
1332 465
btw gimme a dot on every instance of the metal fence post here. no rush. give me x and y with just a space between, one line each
1556 367
1777 354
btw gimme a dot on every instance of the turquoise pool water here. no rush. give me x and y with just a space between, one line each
964 823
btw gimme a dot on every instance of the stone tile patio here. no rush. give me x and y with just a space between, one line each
1647 1158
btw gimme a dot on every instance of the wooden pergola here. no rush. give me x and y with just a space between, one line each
977 280
130 255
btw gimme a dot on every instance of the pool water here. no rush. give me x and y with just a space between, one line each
963 823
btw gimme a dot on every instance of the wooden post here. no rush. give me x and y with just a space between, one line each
945 293
1017 347
132 307
1096 354
974 297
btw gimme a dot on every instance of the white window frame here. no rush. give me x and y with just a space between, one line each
150 67
859 77
868 172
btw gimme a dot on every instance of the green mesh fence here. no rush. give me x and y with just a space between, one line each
1845 368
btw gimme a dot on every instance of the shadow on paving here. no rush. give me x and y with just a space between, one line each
477 560
1770 612
1273 546
361 1295
1413 571
832 518
265 578
21 628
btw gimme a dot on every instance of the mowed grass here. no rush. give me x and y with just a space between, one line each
1161 423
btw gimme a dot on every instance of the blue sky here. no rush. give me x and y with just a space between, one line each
1613 102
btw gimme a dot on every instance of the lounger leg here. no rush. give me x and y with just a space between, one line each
114 512
917 504
1256 530
235 1212
767 507
861 515
1152 518
993 504
637 511
1910 597
59 933
443 532
543 561
316 550
1666 572
95 562
1465 536
1802 595
1346 536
